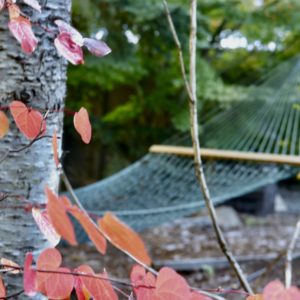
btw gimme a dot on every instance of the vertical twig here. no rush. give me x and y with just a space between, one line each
192 93
289 256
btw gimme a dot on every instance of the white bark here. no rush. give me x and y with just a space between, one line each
39 81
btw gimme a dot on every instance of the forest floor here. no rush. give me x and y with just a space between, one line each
256 242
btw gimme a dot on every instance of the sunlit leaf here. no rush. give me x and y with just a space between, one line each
82 125
29 121
67 28
4 124
7 263
93 233
21 29
124 238
67 48
43 221
58 216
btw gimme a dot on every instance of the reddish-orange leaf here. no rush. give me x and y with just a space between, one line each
59 286
171 286
82 125
256 297
29 277
143 284
29 121
55 149
57 213
2 289
91 229
4 124
123 237
100 289
275 290
9 266
81 291
43 221
49 259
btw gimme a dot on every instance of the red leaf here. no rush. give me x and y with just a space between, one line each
43 221
96 47
49 259
91 229
15 268
74 33
29 277
59 218
34 4
143 284
2 289
2 3
81 292
82 125
59 286
275 290
124 238
67 48
4 124
100 289
171 286
55 149
20 27
29 121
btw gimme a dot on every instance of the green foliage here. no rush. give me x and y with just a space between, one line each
136 95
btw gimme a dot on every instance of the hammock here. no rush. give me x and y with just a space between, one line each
161 187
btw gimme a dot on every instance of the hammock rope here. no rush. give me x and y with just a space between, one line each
162 187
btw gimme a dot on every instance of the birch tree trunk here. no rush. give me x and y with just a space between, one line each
39 81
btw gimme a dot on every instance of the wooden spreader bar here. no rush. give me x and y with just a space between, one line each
229 155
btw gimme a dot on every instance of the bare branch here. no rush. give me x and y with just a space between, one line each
289 256
192 92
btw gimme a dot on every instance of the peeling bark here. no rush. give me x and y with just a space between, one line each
39 81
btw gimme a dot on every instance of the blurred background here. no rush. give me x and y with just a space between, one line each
135 96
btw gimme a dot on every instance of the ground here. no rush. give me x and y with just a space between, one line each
256 241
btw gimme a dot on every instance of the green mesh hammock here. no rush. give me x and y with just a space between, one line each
162 187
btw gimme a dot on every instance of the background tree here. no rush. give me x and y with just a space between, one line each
38 80
137 94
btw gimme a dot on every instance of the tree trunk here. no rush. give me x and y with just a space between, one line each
39 81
